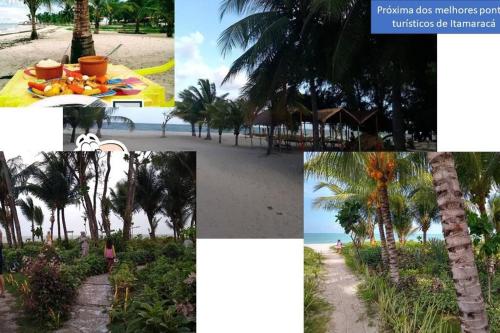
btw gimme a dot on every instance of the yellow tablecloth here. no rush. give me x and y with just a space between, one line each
15 93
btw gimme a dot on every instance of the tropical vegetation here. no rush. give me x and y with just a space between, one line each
304 56
400 193
45 276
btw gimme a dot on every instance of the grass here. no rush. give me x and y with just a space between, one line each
316 309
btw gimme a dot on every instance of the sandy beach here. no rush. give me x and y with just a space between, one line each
320 248
242 193
137 51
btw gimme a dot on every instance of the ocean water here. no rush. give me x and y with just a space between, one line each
326 238
10 27
157 127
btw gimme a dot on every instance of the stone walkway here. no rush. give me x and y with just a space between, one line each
8 314
90 311
340 285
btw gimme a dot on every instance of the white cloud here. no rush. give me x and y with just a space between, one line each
192 65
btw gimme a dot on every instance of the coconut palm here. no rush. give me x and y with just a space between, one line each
82 43
219 116
401 217
139 9
33 6
423 203
53 184
236 118
188 110
450 201
149 194
78 165
177 173
100 7
38 219
28 209
13 177
203 95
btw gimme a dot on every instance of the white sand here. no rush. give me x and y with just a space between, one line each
137 51
339 289
242 193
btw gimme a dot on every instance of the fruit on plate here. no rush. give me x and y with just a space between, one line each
73 83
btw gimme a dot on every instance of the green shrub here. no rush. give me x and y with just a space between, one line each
172 250
48 294
316 308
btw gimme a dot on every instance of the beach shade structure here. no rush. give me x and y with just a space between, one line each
352 118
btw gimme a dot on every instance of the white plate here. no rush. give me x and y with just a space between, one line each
66 100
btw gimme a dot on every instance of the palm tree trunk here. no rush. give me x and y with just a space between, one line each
127 220
94 234
398 132
105 219
193 129
65 230
152 226
73 135
381 231
270 137
82 43
7 224
52 219
200 125
10 197
424 231
34 34
391 244
473 315
209 135
96 21
236 138
58 224
32 231
314 109
137 25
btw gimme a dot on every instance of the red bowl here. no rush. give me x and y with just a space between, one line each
49 73
93 65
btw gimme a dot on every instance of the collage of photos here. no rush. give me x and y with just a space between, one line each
192 122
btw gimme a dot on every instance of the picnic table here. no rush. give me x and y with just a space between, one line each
15 93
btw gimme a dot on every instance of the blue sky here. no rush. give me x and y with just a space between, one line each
198 27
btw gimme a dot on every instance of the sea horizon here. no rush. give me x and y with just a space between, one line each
331 238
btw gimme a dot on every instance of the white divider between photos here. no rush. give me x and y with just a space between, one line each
469 92
250 285
31 129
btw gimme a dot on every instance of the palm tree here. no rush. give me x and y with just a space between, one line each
188 110
100 7
203 96
118 201
82 43
139 9
472 312
33 6
424 204
401 216
149 194
78 165
236 118
105 204
177 173
10 193
28 209
219 114
38 218
131 202
384 170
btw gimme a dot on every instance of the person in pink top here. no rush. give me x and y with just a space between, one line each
109 254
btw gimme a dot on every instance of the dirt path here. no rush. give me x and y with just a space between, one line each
8 313
90 312
340 288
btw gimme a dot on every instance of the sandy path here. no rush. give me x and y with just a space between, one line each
137 51
90 312
8 313
340 287
241 192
